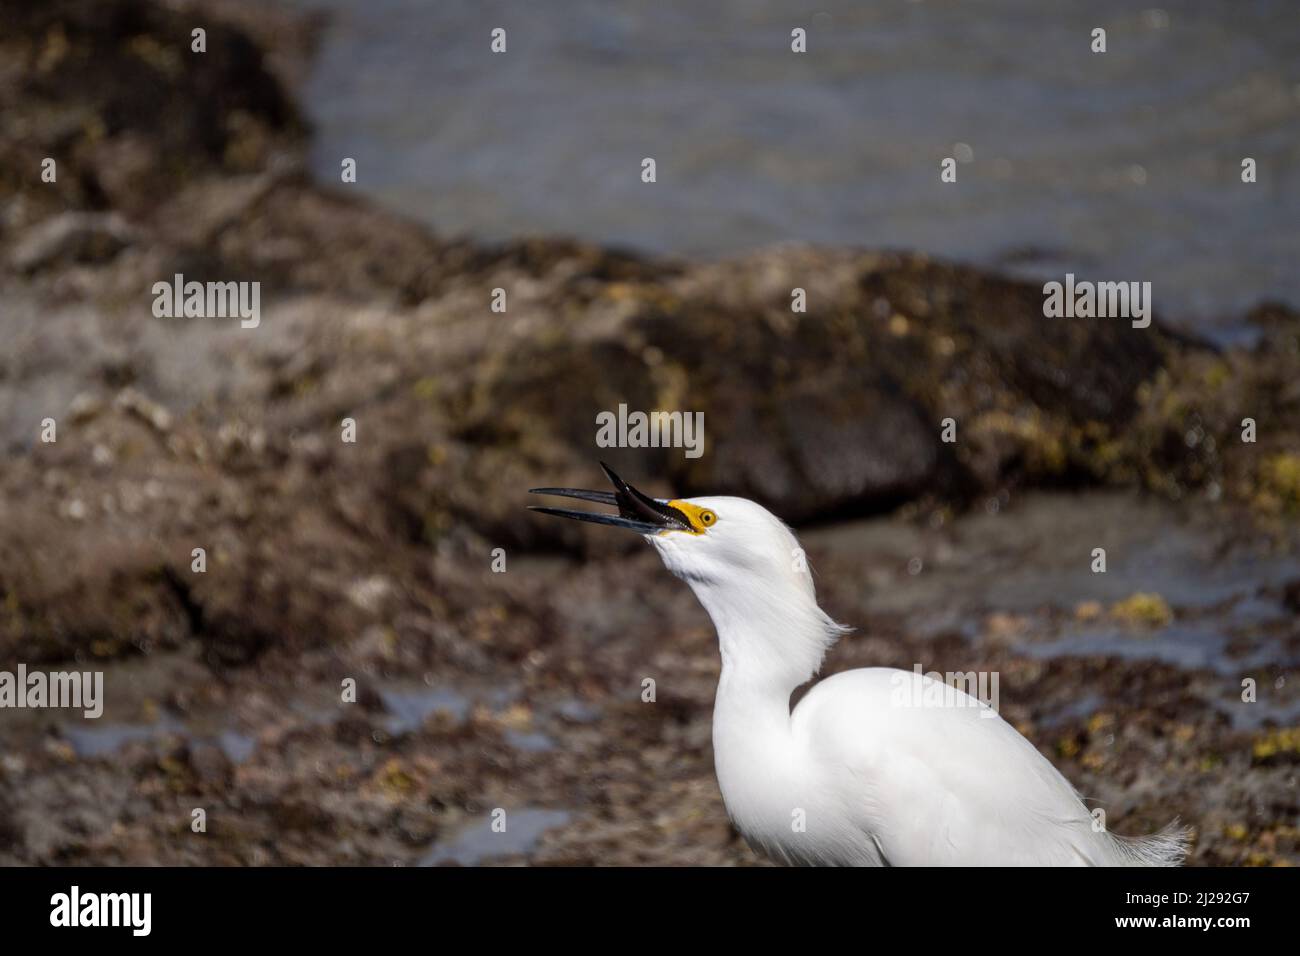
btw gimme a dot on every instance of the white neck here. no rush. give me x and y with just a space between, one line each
772 640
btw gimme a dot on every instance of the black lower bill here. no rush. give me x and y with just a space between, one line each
636 511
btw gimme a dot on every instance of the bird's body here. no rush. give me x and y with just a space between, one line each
881 784
877 766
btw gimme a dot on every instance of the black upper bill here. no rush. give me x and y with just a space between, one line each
604 497
636 511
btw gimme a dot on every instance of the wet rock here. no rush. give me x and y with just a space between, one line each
71 237
837 411
208 763
112 91
148 411
1143 609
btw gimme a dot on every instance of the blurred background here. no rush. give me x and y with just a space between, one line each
1122 165
331 562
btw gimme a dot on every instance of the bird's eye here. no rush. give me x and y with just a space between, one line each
707 518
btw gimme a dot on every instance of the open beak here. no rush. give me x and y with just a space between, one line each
636 511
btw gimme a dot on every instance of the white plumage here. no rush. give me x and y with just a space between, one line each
868 769
881 776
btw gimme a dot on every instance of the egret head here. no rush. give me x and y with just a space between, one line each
715 542
743 564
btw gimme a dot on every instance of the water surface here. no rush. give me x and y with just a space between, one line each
1122 166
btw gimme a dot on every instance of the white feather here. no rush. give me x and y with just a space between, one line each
864 771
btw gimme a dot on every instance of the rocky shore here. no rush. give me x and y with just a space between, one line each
371 559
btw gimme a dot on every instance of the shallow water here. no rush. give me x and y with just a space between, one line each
1202 645
102 739
407 706
1037 553
1121 166
1032 561
529 742
478 842
408 709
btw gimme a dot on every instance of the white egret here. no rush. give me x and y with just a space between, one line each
877 766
